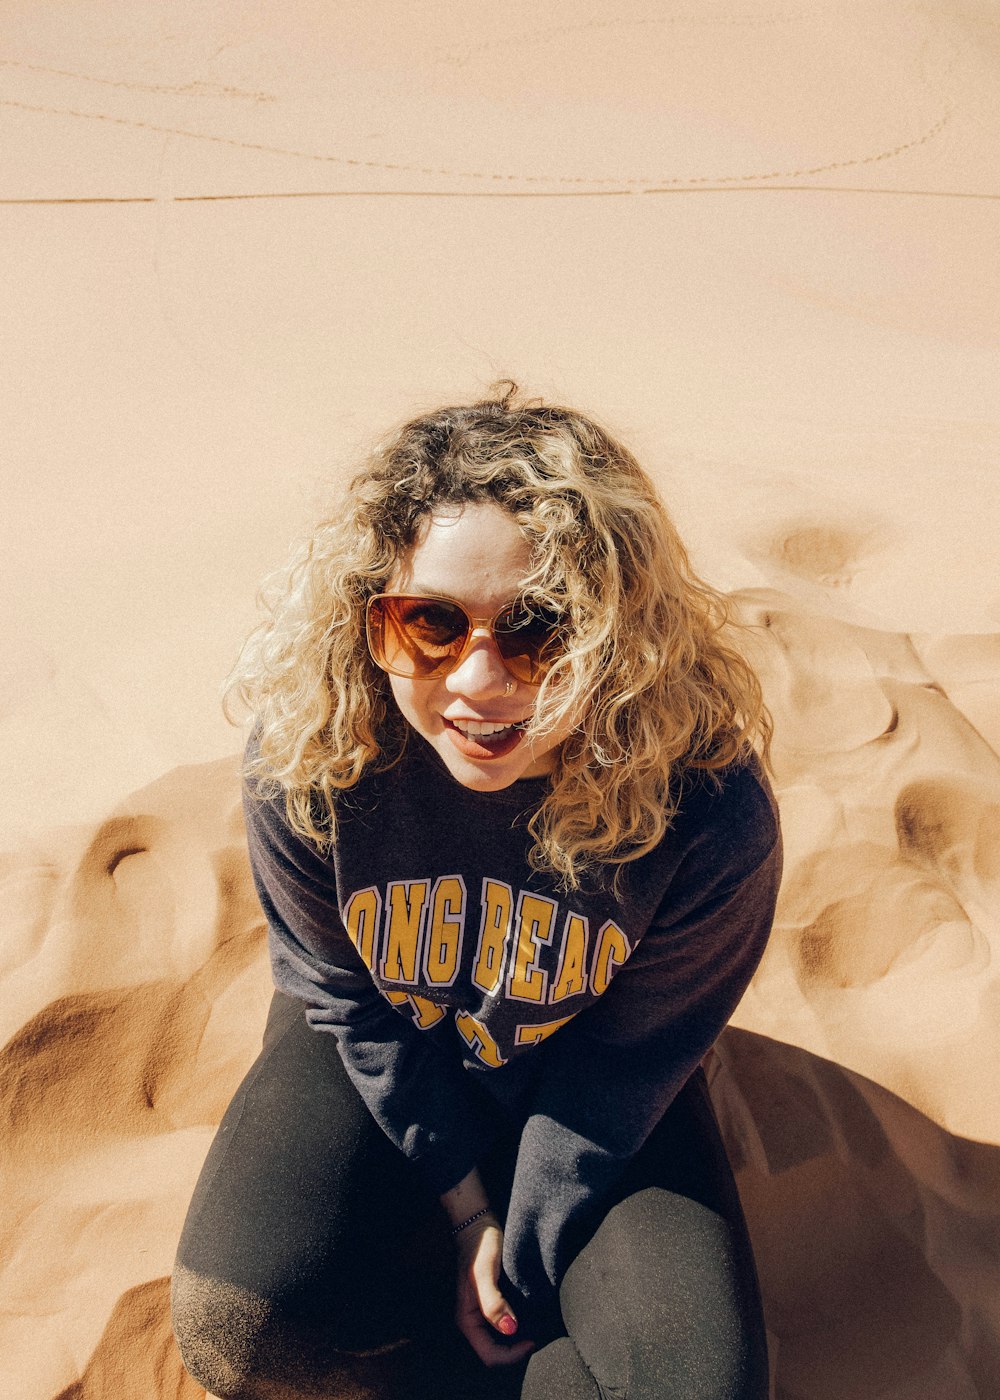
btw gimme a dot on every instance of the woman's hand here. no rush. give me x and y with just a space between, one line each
481 1311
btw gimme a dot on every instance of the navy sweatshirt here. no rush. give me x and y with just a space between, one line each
461 985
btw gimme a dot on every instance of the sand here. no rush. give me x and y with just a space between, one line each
761 243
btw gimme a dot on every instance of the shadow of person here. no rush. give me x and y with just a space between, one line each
876 1232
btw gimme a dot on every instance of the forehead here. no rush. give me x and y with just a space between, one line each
474 553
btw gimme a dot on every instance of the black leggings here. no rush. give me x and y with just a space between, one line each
313 1262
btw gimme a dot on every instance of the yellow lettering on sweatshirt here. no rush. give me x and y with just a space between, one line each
361 919
536 917
571 976
479 1040
494 931
425 1013
406 905
444 938
611 951
534 1035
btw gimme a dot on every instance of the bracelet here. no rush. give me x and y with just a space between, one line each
456 1229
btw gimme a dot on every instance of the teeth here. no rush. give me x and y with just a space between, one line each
480 728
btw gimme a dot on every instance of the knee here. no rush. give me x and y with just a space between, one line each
220 1330
241 1346
678 1313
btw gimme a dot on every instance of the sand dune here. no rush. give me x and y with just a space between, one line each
761 243
887 958
135 1005
855 1089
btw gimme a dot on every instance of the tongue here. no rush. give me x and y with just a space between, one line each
485 745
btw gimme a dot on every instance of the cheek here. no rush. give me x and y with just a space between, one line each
412 700
552 740
574 719
401 689
559 735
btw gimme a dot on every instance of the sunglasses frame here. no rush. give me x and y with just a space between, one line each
477 626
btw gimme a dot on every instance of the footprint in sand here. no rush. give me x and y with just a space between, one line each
949 826
819 680
822 552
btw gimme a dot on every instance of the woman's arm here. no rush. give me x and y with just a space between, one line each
417 1094
479 1305
420 1097
466 1199
614 1070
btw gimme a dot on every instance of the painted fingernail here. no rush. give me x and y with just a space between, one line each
507 1325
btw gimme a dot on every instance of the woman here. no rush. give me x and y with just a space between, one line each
518 862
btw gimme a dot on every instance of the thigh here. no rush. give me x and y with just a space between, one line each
303 1202
662 1298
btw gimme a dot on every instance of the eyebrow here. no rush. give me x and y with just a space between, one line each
425 590
422 590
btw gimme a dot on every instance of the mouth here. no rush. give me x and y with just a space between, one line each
482 739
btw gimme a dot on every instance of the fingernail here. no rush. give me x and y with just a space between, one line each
507 1325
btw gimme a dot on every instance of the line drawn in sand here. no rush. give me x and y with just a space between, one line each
557 183
496 194
196 88
639 184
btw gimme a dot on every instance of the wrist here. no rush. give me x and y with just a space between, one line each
471 1220
467 1241
465 1199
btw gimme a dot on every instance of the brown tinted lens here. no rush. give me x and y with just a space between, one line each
528 639
418 637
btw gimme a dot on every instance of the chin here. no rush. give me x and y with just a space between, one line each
471 775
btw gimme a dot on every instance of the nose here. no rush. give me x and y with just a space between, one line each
481 672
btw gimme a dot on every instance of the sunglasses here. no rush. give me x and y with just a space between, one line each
424 638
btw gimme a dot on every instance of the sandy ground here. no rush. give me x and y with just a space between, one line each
761 242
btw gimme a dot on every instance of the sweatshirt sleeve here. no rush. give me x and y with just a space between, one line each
415 1091
614 1070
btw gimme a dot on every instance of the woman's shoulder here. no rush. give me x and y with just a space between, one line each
729 816
724 836
266 812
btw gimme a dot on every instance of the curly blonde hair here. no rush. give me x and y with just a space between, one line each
648 672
